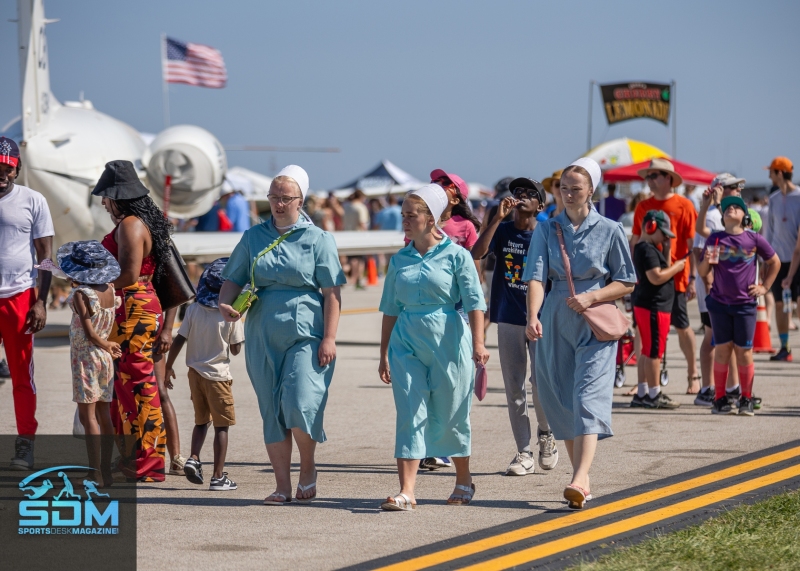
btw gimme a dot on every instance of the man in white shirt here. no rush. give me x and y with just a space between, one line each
26 236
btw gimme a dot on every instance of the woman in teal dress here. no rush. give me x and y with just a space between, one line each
290 330
427 350
575 371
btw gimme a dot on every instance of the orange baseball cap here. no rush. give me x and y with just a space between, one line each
782 164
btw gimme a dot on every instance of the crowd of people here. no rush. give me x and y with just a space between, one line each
551 258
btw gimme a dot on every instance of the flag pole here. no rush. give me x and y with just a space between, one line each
674 120
165 85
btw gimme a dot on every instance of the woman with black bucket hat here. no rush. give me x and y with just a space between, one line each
140 242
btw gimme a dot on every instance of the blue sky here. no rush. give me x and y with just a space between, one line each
483 89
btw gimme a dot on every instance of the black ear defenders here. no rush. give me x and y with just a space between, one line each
747 221
651 226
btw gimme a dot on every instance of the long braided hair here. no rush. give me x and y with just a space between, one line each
151 216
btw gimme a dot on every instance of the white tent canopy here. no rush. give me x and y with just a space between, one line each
253 185
385 178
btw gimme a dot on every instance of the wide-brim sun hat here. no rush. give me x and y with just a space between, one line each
726 179
548 182
660 165
210 283
88 262
120 182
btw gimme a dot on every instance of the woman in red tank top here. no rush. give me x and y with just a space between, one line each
139 241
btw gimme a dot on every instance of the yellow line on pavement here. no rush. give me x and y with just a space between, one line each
360 310
629 524
527 532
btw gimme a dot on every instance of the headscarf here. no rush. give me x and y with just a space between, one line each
592 168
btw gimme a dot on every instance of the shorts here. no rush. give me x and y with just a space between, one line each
735 323
212 400
653 330
776 288
680 315
705 319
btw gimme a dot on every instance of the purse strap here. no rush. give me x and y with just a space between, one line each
274 244
565 259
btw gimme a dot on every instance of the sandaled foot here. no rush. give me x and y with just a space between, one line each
399 503
631 392
462 498
694 385
576 496
301 497
276 499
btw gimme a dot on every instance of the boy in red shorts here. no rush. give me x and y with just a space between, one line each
653 297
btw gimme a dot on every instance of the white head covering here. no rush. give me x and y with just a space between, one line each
299 175
592 168
435 197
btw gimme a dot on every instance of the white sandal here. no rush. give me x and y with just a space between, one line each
303 489
461 499
282 502
399 503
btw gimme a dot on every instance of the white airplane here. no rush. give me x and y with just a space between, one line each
64 147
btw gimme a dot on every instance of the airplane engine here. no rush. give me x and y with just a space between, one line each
195 160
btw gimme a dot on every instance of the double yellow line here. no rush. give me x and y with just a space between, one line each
610 530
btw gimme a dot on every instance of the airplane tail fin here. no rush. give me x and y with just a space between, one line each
38 102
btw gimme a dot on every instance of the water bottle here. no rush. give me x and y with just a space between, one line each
787 300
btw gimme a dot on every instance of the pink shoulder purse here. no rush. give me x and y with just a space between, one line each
607 322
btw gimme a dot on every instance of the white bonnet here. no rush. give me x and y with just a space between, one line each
299 175
592 168
435 197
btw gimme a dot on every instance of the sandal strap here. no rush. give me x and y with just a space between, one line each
306 488
405 498
464 488
277 495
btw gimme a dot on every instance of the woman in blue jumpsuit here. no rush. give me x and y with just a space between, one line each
427 349
575 371
290 330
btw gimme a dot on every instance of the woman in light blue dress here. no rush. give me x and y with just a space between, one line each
427 350
290 330
575 371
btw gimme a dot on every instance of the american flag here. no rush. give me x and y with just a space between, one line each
194 64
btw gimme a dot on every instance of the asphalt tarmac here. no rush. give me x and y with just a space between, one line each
188 527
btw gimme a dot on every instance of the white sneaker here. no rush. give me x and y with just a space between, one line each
548 451
176 466
521 465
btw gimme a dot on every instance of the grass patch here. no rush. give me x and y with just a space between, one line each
765 535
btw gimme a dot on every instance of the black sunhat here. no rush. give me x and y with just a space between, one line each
88 262
210 283
120 182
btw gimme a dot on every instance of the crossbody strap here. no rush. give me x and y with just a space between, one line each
565 259
264 251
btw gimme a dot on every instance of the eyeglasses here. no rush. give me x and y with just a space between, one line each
525 193
655 175
285 200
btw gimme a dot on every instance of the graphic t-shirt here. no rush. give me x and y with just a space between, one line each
647 294
736 270
507 301
682 217
24 217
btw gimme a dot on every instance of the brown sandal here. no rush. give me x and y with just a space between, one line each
692 380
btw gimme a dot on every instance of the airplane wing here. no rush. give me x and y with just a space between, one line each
205 247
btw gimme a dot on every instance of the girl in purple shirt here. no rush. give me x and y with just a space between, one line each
732 301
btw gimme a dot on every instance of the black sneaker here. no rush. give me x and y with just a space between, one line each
784 354
733 396
222 484
193 470
23 454
746 406
661 401
722 406
705 397
5 373
637 401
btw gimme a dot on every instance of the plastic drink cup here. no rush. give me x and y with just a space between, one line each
713 257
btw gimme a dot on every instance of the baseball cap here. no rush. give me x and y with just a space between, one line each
463 189
782 164
726 179
755 218
732 201
662 221
9 152
530 184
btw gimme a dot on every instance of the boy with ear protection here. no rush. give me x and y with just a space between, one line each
507 307
652 304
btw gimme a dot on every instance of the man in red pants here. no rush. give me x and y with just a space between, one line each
26 230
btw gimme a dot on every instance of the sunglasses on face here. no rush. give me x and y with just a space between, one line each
731 187
655 175
525 193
